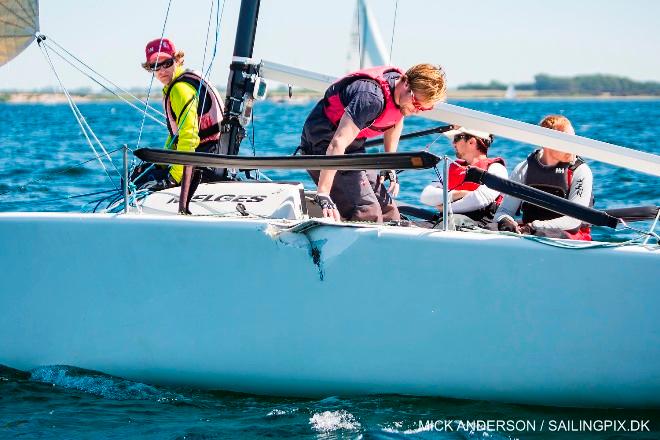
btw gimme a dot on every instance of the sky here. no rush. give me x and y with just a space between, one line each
475 41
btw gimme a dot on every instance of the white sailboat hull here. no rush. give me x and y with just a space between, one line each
226 304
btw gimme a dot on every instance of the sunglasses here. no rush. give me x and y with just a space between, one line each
162 65
460 137
418 105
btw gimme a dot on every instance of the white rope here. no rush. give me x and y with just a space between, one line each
81 120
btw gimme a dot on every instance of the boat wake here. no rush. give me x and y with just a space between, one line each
330 421
101 384
282 412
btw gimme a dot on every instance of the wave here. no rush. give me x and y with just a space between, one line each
101 384
330 421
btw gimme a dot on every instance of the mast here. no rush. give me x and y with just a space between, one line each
244 84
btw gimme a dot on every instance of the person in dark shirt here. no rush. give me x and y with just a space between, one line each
363 104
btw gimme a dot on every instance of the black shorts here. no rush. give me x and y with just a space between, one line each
359 196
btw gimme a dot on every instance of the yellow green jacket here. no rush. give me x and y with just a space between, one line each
183 101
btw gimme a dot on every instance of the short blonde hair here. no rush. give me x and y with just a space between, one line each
557 122
427 80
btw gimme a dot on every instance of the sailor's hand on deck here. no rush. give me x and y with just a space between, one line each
328 206
527 229
506 224
390 175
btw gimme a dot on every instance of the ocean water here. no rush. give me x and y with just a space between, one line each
40 146
41 143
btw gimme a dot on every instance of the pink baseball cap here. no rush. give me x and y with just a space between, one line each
159 49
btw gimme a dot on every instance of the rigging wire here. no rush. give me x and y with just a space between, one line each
652 228
86 66
396 8
430 144
112 91
80 118
219 13
50 175
153 75
206 45
648 234
114 191
205 74
359 37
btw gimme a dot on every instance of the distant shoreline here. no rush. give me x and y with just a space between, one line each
308 96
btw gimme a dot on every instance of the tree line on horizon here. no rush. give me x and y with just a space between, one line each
597 84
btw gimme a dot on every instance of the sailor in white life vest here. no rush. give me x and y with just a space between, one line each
556 172
476 202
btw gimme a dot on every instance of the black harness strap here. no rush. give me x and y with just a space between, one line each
203 106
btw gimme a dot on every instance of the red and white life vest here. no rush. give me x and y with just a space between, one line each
456 181
209 107
457 170
391 114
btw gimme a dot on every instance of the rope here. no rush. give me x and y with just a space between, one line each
574 244
652 228
204 75
79 118
428 146
396 8
648 234
153 74
252 141
134 197
102 77
563 244
64 198
48 176
359 35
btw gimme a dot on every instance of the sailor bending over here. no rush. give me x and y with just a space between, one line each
193 110
555 172
363 104
475 204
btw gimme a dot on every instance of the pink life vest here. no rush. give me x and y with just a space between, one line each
209 107
334 109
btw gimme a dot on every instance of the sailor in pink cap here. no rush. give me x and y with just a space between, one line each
162 59
193 110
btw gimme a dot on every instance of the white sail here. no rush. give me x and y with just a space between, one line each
497 125
367 48
510 92
19 22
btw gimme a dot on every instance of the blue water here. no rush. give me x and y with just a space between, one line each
43 141
39 144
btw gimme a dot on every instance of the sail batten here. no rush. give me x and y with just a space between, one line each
19 23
